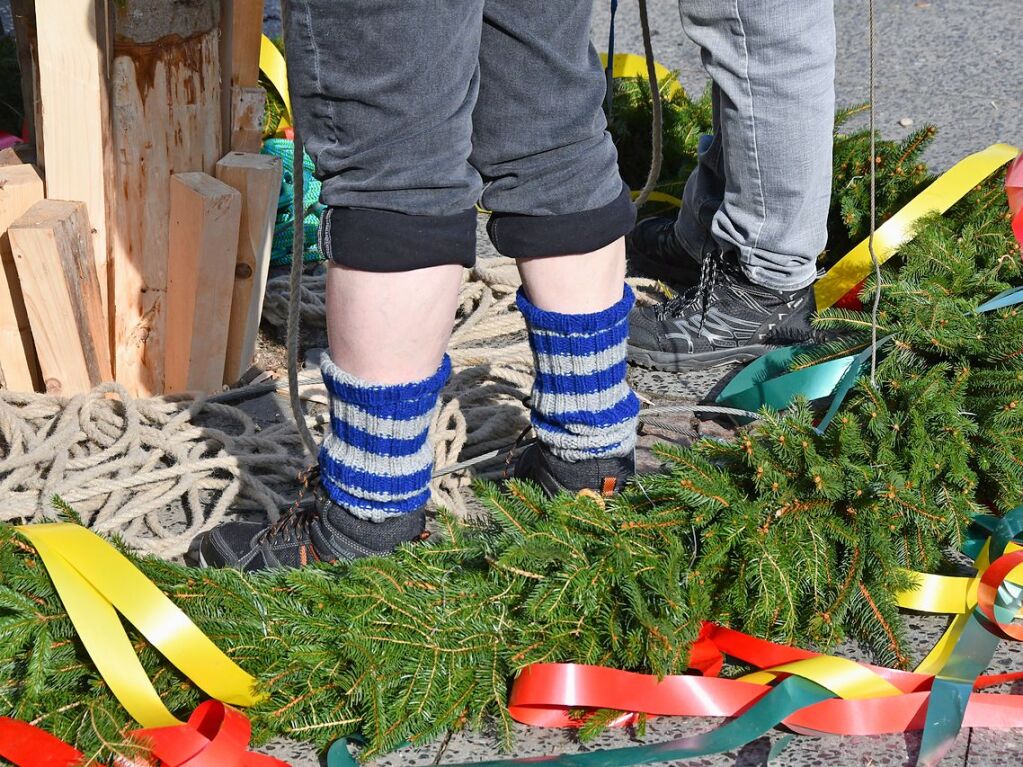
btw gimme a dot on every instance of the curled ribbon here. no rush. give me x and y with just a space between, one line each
941 195
816 693
95 582
214 736
272 64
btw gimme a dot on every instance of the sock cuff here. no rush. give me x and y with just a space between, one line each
543 320
415 398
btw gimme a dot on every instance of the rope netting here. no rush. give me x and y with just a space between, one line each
159 471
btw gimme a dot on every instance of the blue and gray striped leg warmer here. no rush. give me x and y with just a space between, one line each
377 460
582 405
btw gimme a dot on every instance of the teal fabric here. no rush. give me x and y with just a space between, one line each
280 252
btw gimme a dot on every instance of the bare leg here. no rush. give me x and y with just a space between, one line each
391 328
577 284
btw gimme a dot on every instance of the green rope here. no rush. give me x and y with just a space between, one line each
280 251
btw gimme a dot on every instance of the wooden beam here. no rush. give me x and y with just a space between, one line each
258 178
205 215
52 249
23 13
241 28
73 92
249 108
165 112
20 189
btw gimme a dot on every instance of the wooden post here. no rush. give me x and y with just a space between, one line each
165 103
258 178
205 214
241 27
20 189
24 17
52 249
73 91
249 108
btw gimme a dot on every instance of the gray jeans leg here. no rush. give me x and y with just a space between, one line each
773 66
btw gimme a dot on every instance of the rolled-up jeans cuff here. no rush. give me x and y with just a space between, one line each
523 236
385 241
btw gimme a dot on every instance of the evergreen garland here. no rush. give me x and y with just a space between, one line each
783 533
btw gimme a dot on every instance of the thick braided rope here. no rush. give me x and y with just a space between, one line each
159 471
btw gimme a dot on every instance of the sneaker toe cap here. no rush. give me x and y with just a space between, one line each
226 544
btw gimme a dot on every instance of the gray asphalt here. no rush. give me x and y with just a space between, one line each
951 64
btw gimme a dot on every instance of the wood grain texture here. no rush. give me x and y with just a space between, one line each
75 113
258 178
20 189
52 247
248 108
205 215
166 119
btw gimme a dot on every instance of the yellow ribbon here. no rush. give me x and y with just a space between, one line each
846 678
95 581
631 65
946 594
272 64
941 195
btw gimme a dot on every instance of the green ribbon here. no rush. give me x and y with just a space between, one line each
1006 298
791 695
972 654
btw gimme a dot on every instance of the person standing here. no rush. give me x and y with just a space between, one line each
754 212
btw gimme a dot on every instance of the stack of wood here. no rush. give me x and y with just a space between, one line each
135 233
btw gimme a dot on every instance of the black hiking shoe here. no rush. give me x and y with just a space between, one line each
604 476
653 249
324 533
724 319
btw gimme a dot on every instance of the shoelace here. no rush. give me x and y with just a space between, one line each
711 270
295 522
297 519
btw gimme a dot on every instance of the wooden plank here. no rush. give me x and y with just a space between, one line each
249 107
246 32
241 27
52 249
258 178
9 157
205 215
20 189
23 14
166 120
73 92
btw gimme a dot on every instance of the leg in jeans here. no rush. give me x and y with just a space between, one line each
383 93
755 209
773 67
550 175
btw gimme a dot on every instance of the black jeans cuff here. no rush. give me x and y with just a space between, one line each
385 241
521 236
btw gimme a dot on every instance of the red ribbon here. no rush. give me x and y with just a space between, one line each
1014 191
214 736
545 693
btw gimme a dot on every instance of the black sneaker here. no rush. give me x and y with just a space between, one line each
324 533
604 476
654 250
723 320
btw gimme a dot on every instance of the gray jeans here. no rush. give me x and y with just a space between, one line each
763 183
415 110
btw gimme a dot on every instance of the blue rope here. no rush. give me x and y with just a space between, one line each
280 249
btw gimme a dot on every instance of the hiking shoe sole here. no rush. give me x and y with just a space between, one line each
675 362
